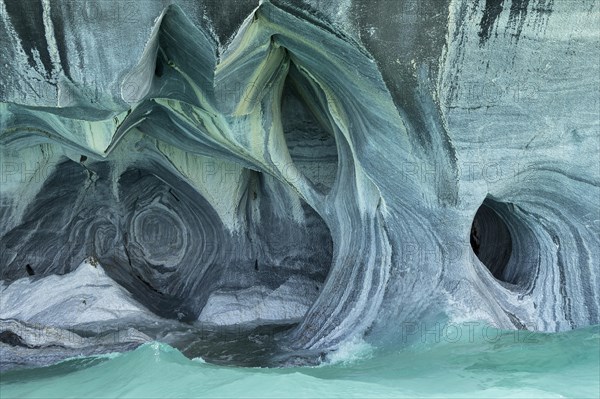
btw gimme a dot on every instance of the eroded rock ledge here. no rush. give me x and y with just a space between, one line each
318 171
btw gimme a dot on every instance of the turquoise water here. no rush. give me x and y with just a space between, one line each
495 364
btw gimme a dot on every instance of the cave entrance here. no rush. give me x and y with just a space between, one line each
308 134
491 240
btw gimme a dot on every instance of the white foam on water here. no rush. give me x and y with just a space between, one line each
349 352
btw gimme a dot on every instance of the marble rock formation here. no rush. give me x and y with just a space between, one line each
324 169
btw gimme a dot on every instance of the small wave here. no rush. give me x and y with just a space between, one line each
350 352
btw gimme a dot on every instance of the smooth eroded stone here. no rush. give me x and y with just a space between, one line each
338 169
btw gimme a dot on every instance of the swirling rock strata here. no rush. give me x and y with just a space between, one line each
310 165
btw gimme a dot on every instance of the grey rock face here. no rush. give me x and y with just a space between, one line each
25 345
338 169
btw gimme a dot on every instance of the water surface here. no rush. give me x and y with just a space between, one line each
478 363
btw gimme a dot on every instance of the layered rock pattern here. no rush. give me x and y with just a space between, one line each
314 166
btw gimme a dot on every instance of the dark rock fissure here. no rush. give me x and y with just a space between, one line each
491 239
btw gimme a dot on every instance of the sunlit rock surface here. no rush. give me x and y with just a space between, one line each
335 170
82 296
287 303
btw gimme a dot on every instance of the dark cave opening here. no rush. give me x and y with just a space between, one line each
162 242
491 240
